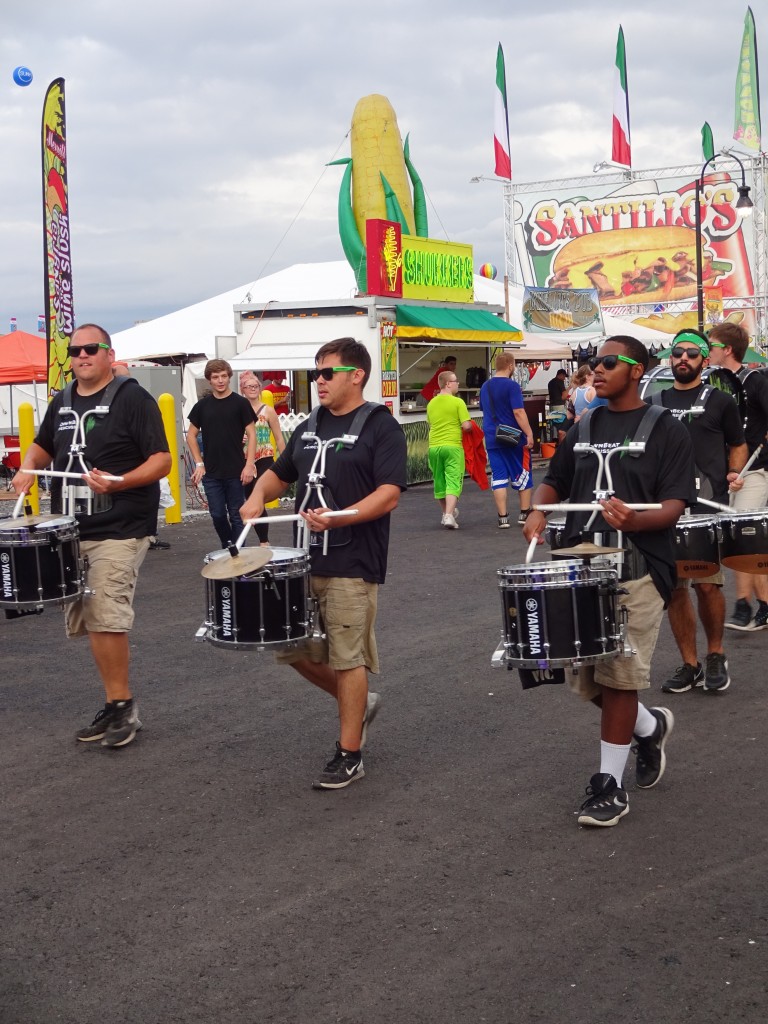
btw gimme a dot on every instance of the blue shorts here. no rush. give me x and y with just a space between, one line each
511 467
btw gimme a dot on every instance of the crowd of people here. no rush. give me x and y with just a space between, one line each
696 447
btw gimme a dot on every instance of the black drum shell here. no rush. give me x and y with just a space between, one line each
743 540
39 564
696 547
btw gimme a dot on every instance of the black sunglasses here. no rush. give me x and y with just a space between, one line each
689 353
90 350
610 362
328 371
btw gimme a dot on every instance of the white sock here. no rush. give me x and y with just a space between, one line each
645 723
613 759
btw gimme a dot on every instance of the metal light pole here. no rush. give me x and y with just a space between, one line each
743 204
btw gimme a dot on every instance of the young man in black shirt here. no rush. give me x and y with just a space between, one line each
720 452
728 344
557 388
129 441
662 474
224 418
368 476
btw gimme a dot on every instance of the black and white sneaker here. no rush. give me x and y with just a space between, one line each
371 710
123 725
524 513
684 678
98 727
717 677
344 767
651 759
605 802
741 617
760 620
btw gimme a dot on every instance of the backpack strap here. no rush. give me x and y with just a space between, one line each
109 396
362 415
651 417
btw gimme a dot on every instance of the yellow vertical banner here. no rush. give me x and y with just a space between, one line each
59 305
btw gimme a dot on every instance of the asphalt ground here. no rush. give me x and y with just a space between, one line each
195 876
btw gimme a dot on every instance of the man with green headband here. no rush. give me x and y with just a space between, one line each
714 423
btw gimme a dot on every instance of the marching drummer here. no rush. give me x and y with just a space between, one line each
714 423
369 476
662 474
129 441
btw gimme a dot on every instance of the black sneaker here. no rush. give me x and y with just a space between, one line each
159 545
344 767
524 513
651 759
684 678
98 727
605 802
503 522
717 678
123 725
371 710
760 620
742 616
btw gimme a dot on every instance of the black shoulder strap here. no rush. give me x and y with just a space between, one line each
701 400
361 417
651 417
109 395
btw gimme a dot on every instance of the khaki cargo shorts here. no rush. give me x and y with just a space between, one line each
113 569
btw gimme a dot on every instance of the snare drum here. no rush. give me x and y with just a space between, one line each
558 614
744 540
269 608
39 562
696 550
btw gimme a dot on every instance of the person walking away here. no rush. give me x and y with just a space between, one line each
728 344
369 476
662 474
557 389
448 417
720 451
223 417
269 438
128 441
501 399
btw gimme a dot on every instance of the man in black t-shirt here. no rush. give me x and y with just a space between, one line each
128 442
728 344
557 388
721 452
662 474
368 476
223 418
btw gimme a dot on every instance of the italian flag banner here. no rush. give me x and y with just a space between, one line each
501 121
622 149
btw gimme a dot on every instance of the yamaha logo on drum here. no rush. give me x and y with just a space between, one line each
534 626
226 611
5 573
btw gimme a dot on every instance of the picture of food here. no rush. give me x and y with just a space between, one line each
656 264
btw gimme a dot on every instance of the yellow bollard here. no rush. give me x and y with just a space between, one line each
167 405
26 437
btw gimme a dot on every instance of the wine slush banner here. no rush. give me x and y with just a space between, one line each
59 307
637 246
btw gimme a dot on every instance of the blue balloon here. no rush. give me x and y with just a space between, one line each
22 75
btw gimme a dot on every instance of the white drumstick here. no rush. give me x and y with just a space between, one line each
591 508
18 506
531 548
714 504
287 519
752 458
67 475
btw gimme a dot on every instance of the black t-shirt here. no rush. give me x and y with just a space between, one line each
222 422
557 388
715 430
351 474
664 471
121 440
756 388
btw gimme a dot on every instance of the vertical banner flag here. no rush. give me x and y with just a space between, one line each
503 166
622 149
746 128
12 325
59 307
707 143
41 323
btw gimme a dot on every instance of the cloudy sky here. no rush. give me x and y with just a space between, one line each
198 132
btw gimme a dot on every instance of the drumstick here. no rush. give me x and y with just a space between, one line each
714 504
17 506
73 476
752 458
531 549
591 508
286 519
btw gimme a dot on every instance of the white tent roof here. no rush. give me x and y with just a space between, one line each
194 328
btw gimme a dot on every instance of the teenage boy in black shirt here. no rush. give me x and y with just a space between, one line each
720 452
662 474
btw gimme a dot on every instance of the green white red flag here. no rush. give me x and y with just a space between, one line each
746 129
622 148
501 148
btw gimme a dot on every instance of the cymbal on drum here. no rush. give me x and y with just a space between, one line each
226 566
26 521
585 550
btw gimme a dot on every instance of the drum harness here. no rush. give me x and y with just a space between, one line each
316 475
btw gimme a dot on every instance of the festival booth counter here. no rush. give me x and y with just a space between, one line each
407 342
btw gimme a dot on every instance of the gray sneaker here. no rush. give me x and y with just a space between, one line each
371 710
651 759
123 725
716 677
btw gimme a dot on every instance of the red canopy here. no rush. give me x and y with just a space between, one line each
23 358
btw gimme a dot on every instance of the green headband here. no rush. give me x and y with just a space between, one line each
692 339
